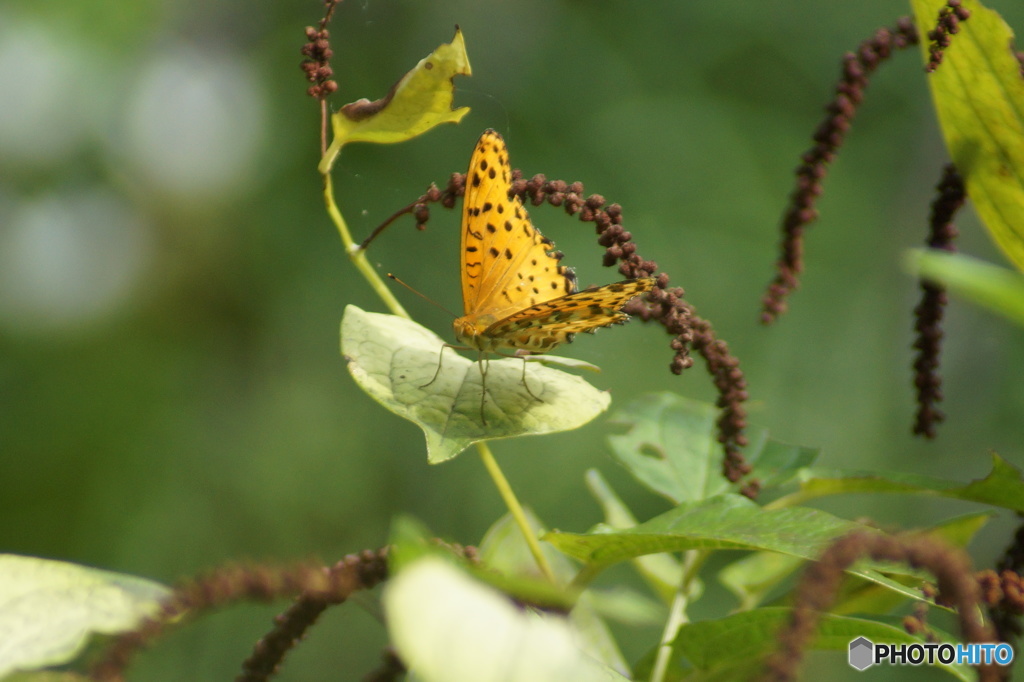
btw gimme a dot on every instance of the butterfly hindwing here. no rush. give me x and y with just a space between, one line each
545 325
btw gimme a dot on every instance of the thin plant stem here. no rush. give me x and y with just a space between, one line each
677 617
358 257
505 490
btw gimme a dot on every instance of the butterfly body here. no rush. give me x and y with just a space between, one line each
516 295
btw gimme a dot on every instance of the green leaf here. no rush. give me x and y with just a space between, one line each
672 448
734 647
979 98
394 360
998 289
662 572
751 578
448 627
1002 487
723 522
503 549
419 101
865 597
49 608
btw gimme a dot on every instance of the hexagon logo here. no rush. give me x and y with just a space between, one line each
861 653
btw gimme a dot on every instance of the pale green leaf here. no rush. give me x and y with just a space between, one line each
47 676
49 608
448 627
419 101
979 97
999 289
394 360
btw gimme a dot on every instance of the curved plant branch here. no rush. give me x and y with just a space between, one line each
820 583
948 24
356 571
928 313
801 212
232 584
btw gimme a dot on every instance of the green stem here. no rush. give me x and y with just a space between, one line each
358 256
505 490
677 618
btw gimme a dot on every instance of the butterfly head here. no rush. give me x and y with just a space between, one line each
469 330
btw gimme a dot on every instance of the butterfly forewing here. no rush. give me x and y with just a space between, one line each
507 265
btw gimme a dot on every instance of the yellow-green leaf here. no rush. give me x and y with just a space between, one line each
979 97
421 100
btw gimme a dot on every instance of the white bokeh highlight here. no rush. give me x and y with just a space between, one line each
194 124
67 259
43 85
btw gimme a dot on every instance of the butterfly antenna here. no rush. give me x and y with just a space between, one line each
422 295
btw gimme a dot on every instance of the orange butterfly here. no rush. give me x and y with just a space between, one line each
515 294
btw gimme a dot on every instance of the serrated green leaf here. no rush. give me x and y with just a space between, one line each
865 597
49 608
723 522
448 627
672 448
419 101
996 288
734 647
662 572
394 360
979 98
1002 487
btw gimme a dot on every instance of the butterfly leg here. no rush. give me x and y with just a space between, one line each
485 364
526 385
437 372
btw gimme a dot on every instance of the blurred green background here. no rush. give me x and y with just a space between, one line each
171 392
